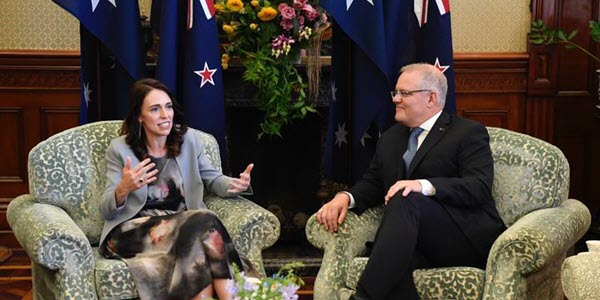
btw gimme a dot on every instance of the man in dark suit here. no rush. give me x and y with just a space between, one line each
434 172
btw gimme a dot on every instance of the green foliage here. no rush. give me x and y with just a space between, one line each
269 44
542 35
281 91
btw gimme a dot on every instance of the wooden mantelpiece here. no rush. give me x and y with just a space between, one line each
39 96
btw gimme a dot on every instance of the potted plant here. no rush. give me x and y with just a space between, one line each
268 36
542 35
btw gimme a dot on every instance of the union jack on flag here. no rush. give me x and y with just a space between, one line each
116 26
385 36
422 7
189 63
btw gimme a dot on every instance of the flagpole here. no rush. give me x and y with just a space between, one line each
98 75
348 86
349 112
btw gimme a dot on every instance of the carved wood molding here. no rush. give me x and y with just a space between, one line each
39 69
495 83
491 72
23 79
475 72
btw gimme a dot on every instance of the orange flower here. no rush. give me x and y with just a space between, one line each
219 7
267 14
225 61
235 5
228 29
254 3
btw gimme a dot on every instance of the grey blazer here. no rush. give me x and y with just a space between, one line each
196 172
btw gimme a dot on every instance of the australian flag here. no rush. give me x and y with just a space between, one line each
384 36
189 63
111 55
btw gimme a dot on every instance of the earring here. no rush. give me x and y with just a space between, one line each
140 130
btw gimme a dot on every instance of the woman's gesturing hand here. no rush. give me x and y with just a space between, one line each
134 178
241 184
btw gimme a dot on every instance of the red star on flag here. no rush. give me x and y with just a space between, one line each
206 74
440 67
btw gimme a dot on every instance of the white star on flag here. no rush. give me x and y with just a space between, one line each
349 2
364 137
439 66
340 135
87 93
95 4
333 91
206 74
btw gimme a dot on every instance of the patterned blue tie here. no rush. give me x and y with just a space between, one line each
411 150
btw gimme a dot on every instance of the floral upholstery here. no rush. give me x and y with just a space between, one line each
581 276
531 182
59 223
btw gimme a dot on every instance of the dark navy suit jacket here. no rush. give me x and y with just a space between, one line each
456 158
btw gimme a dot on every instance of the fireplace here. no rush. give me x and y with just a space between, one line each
287 174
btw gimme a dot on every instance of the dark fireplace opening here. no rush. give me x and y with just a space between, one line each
285 179
287 171
287 174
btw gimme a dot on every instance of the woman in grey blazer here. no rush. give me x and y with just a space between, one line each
155 217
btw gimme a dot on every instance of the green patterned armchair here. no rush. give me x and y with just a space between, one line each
59 224
531 185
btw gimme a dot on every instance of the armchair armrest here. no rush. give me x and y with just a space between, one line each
53 240
340 248
251 227
532 243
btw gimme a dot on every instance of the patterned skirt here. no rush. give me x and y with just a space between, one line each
174 256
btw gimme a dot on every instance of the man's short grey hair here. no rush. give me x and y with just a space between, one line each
431 79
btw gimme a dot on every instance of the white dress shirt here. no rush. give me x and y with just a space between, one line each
427 188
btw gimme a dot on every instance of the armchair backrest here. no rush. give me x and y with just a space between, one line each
68 170
529 174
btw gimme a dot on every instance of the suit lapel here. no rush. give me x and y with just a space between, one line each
402 145
437 132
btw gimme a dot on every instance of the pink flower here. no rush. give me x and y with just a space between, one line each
300 20
324 18
286 24
298 4
310 12
287 13
281 45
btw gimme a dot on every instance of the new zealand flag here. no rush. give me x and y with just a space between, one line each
111 55
385 35
189 63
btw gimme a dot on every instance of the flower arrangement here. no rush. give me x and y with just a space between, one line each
281 286
268 36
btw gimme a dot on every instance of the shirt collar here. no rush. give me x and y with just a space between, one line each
427 125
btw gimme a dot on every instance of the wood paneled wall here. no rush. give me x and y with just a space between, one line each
491 88
39 96
563 87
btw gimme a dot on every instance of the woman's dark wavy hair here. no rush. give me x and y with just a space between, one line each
134 135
